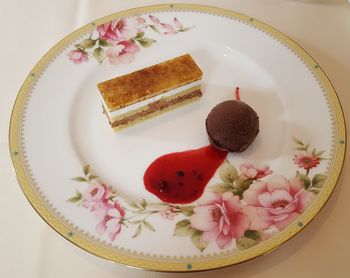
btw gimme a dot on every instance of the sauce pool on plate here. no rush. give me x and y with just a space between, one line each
181 177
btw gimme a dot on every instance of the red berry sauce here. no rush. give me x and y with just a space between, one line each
181 177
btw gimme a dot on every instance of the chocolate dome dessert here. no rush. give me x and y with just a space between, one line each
232 126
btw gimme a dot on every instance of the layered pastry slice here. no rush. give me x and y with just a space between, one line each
145 93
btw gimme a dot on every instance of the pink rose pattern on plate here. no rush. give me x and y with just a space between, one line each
276 202
246 207
78 56
224 219
119 40
110 216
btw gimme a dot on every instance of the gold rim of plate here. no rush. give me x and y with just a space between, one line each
184 265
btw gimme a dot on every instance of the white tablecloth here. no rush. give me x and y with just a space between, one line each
30 248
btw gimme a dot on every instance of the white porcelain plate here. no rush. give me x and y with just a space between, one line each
86 180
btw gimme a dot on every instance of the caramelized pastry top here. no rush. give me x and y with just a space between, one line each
149 82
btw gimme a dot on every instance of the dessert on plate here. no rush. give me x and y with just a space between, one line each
145 93
232 125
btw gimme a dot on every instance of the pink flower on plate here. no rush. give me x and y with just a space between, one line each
123 52
277 202
221 219
110 217
172 30
115 31
306 160
168 213
78 56
251 172
140 20
177 23
95 194
154 19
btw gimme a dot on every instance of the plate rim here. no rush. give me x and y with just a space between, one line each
185 265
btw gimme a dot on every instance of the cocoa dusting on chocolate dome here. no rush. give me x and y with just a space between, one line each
232 125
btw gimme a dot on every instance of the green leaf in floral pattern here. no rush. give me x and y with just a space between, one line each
253 234
140 35
87 43
318 180
148 226
86 169
228 172
222 187
99 54
305 180
114 194
78 196
245 243
124 224
104 43
302 147
183 228
186 29
296 140
146 42
135 222
197 240
242 183
315 190
154 28
138 231
134 205
92 177
143 203
186 210
80 179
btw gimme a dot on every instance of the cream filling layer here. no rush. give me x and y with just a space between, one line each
134 106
